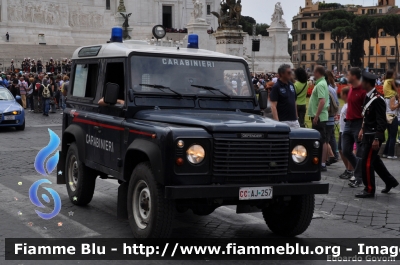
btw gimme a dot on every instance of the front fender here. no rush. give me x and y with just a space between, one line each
142 150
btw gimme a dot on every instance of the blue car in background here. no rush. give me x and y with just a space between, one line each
11 112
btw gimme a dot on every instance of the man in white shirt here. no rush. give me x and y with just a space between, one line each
348 173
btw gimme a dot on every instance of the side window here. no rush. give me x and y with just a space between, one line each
85 80
115 73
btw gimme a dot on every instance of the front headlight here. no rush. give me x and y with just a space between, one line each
195 154
299 154
15 112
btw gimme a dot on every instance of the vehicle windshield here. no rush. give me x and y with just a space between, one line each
5 95
190 76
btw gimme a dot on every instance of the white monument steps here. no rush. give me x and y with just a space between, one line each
18 52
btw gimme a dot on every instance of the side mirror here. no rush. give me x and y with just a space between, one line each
111 93
263 99
18 97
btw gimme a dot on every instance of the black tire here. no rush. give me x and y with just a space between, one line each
21 128
291 218
80 179
150 214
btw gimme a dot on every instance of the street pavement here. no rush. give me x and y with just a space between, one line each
338 214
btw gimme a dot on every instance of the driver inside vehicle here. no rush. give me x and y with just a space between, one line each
245 90
229 89
103 104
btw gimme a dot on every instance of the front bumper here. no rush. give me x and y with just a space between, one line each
232 190
19 120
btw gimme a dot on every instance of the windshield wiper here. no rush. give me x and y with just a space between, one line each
211 89
159 87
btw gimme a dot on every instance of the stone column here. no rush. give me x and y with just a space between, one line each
280 36
200 28
198 25
230 41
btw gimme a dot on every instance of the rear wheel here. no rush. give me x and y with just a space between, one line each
80 179
290 218
150 214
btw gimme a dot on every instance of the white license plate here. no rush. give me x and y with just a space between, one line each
9 118
255 193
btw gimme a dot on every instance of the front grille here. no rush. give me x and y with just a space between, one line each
244 160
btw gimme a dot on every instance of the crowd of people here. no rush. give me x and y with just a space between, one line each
39 92
29 65
363 119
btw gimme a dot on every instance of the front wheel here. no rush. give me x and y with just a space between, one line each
150 214
80 179
290 218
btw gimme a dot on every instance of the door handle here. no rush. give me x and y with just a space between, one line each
97 128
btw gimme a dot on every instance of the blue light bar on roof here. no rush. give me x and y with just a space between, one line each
116 34
193 41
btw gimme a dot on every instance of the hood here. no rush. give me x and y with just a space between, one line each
7 106
215 121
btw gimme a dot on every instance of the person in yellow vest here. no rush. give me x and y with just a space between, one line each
389 86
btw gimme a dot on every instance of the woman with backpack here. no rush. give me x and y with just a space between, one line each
46 95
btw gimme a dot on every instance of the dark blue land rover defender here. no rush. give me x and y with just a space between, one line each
182 129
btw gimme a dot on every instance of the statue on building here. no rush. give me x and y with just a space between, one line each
277 17
230 14
237 12
121 7
197 14
125 25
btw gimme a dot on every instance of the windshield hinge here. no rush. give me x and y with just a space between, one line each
157 108
238 111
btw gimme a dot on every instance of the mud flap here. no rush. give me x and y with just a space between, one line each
61 168
122 204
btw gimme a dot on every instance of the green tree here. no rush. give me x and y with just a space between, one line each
340 24
357 52
261 29
391 25
365 28
247 26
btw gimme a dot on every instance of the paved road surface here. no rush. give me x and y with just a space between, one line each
338 214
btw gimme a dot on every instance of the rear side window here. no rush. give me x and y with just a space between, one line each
85 80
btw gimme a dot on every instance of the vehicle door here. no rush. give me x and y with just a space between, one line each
83 85
108 128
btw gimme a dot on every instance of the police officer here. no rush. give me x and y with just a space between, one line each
372 135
